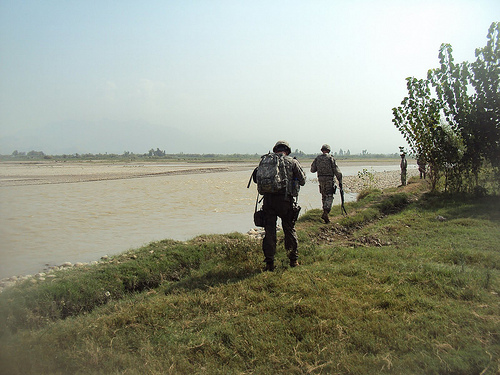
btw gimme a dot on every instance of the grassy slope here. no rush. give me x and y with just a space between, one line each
389 289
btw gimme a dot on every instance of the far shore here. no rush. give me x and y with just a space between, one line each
19 173
50 172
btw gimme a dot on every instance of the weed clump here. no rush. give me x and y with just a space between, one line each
368 195
394 203
360 218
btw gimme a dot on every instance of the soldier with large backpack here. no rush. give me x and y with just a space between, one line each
278 178
327 169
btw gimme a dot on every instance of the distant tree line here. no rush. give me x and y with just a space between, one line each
452 118
30 155
158 154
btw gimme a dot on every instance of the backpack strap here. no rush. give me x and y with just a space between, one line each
257 201
284 167
252 177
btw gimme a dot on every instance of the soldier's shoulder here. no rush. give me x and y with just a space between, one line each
288 159
318 158
326 157
291 160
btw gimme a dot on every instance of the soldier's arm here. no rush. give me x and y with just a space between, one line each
314 168
337 172
339 177
299 173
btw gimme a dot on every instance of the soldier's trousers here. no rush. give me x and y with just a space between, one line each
403 177
326 188
277 205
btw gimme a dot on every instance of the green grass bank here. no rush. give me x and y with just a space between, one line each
407 283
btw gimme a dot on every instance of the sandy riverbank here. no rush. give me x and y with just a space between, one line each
50 172
41 173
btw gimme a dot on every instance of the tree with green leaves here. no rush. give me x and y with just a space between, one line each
456 127
418 119
485 78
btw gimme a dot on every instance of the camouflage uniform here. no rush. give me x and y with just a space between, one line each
281 205
422 166
327 168
403 165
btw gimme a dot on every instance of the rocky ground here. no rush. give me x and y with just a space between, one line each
378 180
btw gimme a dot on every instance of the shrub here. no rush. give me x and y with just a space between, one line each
394 203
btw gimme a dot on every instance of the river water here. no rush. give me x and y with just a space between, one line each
51 224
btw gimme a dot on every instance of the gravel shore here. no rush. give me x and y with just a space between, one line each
381 180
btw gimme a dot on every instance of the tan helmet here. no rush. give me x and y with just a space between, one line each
282 146
326 147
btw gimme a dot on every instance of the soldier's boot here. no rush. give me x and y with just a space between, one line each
294 263
325 217
269 267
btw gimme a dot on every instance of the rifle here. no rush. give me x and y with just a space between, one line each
342 208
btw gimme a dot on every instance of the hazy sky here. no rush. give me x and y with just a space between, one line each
238 75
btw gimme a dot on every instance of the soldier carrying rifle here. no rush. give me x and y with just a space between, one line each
327 169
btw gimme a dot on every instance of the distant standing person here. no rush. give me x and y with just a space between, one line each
327 169
278 178
422 166
404 166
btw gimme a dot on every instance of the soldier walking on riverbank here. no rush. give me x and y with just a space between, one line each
278 178
327 169
404 166
422 166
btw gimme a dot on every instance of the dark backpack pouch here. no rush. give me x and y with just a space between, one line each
259 218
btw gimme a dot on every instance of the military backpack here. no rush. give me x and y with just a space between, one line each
271 175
